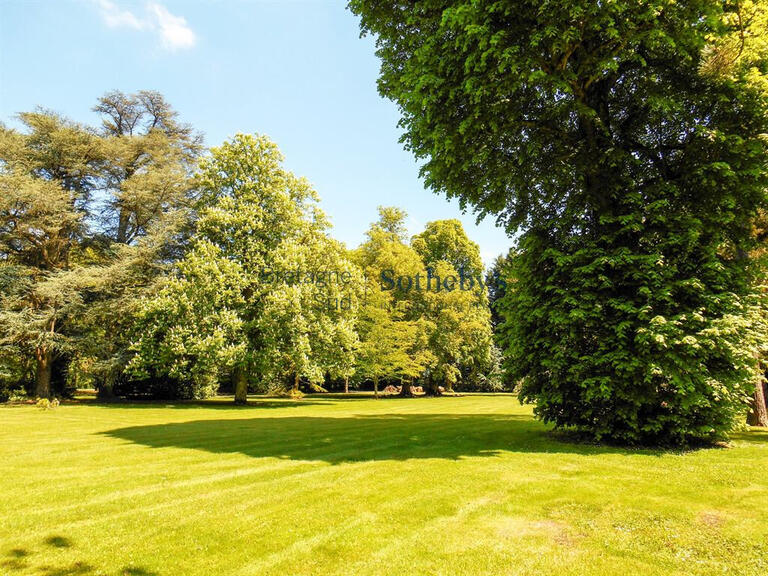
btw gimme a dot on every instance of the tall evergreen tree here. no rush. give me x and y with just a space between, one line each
47 176
88 220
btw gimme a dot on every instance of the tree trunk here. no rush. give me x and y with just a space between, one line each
759 414
431 387
240 382
122 227
405 389
296 382
375 386
44 358
105 388
346 385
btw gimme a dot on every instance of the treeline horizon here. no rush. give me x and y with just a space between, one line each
132 261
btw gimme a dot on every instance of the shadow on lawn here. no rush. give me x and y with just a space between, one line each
753 436
22 559
215 403
363 438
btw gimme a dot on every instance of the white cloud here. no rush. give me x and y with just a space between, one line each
116 17
173 31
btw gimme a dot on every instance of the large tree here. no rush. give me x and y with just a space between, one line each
633 176
89 219
47 176
142 222
456 305
391 327
248 299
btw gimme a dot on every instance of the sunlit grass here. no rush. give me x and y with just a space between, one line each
466 485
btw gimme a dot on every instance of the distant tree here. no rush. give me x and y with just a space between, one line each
240 302
456 306
89 220
150 155
390 325
308 326
143 219
47 176
436 316
390 347
446 241
496 281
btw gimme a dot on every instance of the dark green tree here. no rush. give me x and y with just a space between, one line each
88 220
496 280
632 175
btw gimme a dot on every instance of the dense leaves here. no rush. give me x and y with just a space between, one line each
88 220
598 131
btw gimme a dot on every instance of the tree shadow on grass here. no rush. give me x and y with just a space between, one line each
364 438
753 436
216 403
22 559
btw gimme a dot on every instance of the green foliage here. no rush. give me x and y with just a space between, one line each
633 175
446 241
231 307
661 361
417 328
496 280
130 264
88 220
393 336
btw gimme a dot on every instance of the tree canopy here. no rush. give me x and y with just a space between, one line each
632 175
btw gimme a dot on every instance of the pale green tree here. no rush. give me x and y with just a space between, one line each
456 304
260 244
392 328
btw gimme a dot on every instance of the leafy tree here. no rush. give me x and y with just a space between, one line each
392 332
496 281
47 176
633 177
741 54
446 241
143 220
456 305
308 326
424 319
241 301
191 329
88 220
390 347
150 155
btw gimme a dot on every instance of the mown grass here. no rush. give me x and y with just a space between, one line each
466 485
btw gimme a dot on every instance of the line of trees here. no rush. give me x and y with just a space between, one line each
135 261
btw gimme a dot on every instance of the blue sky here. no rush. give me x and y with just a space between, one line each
295 71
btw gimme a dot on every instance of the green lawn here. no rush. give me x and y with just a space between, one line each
466 485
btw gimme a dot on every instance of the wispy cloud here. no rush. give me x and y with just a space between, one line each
116 17
173 31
